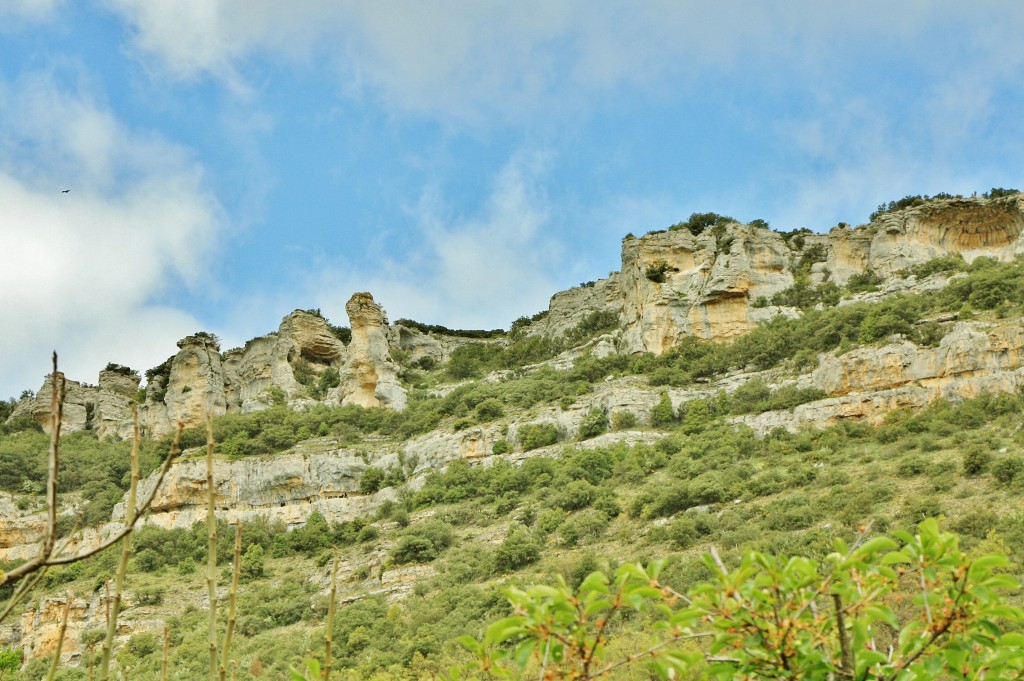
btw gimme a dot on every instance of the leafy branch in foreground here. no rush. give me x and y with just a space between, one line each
899 608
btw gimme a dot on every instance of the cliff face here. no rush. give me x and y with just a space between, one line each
674 283
293 360
714 285
370 377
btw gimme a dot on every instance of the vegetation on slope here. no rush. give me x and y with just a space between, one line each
465 535
479 530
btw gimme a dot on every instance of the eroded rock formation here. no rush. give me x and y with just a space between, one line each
370 376
715 285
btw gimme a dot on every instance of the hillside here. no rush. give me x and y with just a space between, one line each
730 385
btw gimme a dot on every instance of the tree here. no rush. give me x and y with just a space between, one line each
252 565
663 414
776 618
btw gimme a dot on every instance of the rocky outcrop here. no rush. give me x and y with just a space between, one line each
970 227
715 285
867 383
426 349
568 308
370 376
105 408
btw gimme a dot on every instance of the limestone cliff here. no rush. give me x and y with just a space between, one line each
370 376
714 285
199 379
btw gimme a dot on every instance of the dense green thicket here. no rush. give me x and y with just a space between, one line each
99 470
444 330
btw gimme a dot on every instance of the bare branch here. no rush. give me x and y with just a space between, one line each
69 597
126 550
211 558
232 595
329 634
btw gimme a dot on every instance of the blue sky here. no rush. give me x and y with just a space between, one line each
231 160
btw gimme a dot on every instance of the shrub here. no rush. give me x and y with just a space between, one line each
656 272
489 409
11 659
698 222
412 549
501 447
153 595
143 644
519 549
1007 469
422 542
371 480
584 526
911 466
595 423
576 495
976 523
623 420
252 565
367 534
863 282
976 461
534 435
146 560
663 415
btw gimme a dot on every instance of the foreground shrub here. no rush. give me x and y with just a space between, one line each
792 618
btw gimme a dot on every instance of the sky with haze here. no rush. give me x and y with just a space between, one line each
229 161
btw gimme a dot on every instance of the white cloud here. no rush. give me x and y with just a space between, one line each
480 271
26 10
80 270
501 59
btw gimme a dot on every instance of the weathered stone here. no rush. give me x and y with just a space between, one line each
370 377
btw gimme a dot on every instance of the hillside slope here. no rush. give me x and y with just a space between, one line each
737 386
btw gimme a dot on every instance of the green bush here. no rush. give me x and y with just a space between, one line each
595 423
663 415
656 272
535 435
501 447
489 409
976 461
252 565
423 541
1007 469
623 420
10 659
519 549
583 527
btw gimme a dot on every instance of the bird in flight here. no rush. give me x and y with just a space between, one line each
65 191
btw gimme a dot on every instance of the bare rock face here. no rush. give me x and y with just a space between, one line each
568 308
867 383
370 376
715 285
286 487
79 406
195 386
428 349
114 400
678 284
311 337
970 227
